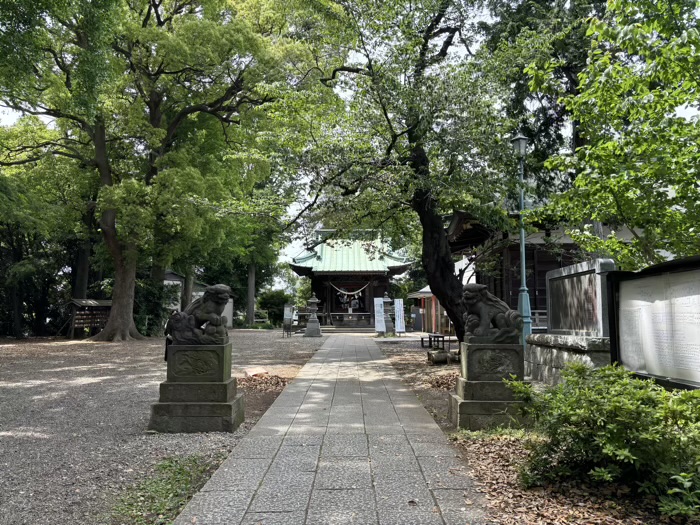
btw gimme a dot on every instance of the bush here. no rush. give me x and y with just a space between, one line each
273 302
605 425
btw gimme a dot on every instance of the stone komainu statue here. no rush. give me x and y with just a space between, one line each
202 322
488 317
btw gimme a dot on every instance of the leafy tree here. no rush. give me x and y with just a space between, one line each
136 89
273 301
639 167
424 132
36 227
528 38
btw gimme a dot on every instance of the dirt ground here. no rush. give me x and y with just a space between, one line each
73 419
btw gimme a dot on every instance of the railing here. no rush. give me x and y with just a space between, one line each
539 319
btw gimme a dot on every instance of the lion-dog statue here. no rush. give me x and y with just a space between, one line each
202 322
488 318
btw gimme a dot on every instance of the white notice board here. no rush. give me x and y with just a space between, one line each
399 322
379 325
659 325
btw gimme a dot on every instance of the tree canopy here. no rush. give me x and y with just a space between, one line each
638 108
424 130
170 106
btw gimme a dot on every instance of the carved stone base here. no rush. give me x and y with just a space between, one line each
481 399
199 395
491 362
313 328
199 363
198 417
480 415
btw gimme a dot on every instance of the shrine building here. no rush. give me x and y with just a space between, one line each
347 274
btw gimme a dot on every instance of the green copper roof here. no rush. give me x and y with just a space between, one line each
340 256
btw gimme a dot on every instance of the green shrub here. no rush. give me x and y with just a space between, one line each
605 425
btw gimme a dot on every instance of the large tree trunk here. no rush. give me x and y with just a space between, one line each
250 309
16 312
41 309
437 261
81 271
186 298
436 257
120 325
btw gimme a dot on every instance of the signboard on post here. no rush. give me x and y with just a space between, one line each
399 321
287 320
379 325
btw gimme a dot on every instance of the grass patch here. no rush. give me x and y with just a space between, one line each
160 498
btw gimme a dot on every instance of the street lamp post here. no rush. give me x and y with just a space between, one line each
520 148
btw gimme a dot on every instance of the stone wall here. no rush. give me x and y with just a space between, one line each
547 354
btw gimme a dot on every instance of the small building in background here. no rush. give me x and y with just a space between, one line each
428 314
347 274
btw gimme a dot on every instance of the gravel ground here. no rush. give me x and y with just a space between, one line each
73 417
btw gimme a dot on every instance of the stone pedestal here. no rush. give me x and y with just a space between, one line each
313 326
547 355
481 399
199 395
389 328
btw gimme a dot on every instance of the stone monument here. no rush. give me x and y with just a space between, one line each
492 351
577 322
313 327
199 394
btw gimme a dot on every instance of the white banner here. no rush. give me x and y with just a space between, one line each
399 322
379 325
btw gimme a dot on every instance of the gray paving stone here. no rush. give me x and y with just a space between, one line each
278 427
296 458
458 507
417 426
435 450
388 478
383 445
238 474
345 445
395 463
343 473
215 508
412 516
385 429
277 411
258 447
445 473
283 492
302 429
341 507
274 518
302 440
406 500
351 444
432 436
346 429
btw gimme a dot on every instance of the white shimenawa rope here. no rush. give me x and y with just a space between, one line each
357 292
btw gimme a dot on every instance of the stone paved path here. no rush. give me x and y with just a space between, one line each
345 443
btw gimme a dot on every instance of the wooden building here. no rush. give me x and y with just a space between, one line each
544 251
347 274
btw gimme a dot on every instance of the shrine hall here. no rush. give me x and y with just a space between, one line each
347 274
